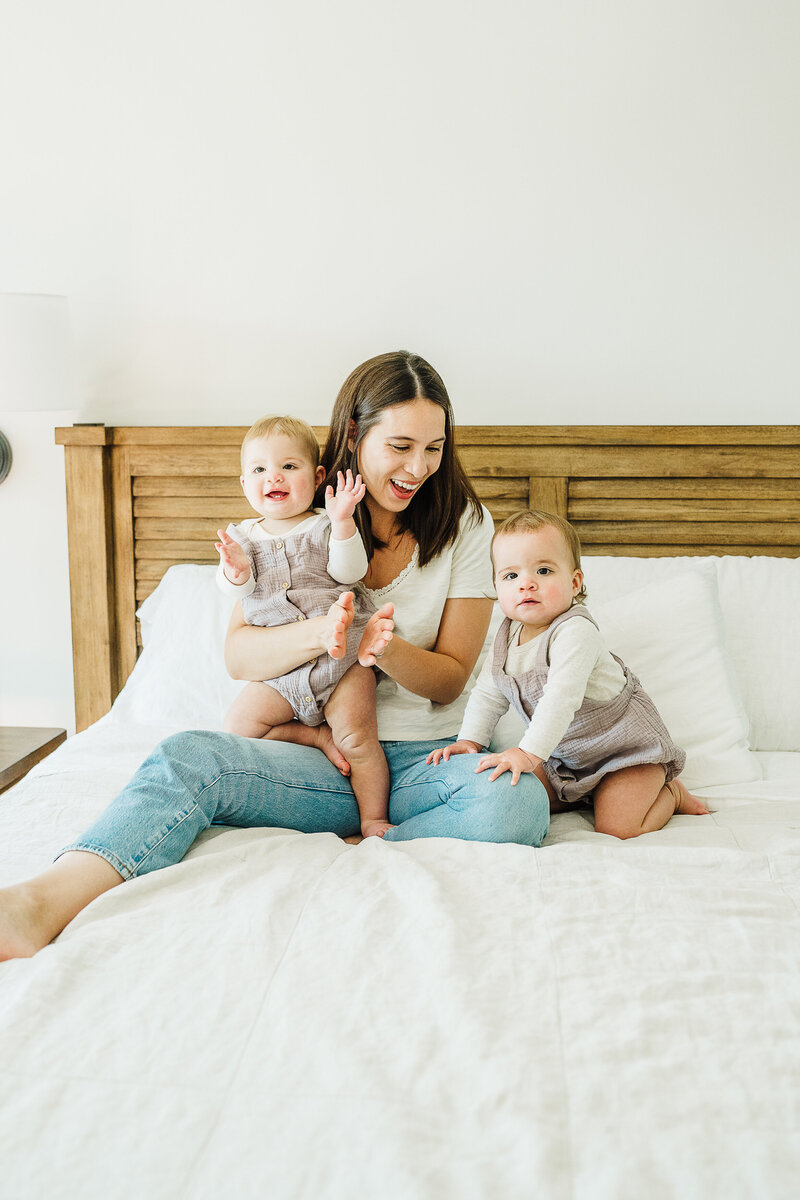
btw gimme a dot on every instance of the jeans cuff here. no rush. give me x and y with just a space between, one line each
120 867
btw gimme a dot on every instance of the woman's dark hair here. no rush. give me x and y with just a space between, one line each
396 378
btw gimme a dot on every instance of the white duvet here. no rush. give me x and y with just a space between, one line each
288 1016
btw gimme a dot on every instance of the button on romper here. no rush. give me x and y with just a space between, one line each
604 735
292 583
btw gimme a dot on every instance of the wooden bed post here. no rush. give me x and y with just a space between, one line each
91 568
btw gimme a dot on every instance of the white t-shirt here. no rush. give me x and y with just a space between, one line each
419 594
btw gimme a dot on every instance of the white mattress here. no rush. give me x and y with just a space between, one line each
286 1015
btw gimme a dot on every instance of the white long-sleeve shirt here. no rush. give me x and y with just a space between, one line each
580 666
347 560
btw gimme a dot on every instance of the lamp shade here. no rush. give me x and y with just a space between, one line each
37 371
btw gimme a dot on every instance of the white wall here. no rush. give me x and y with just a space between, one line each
584 212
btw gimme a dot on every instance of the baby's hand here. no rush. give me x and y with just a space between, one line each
349 492
460 747
235 563
516 761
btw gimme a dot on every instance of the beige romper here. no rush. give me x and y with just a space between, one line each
604 735
292 583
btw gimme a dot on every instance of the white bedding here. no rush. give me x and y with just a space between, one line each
288 1016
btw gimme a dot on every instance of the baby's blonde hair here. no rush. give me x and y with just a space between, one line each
292 427
530 520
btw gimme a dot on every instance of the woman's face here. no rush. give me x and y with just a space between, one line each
400 452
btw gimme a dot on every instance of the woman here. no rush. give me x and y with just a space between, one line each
427 539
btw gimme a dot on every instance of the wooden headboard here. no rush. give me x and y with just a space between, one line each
141 499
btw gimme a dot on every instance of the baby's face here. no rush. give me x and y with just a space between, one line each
534 576
278 478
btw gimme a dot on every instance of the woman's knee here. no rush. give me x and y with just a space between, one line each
524 816
189 760
186 744
500 811
197 746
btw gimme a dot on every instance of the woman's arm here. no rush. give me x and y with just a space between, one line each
255 652
441 674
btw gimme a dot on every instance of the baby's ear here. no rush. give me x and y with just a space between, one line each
319 475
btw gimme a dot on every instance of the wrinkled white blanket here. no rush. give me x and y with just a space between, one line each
288 1016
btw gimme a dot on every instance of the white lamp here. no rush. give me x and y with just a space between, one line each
36 363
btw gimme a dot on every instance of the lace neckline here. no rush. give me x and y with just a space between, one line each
398 579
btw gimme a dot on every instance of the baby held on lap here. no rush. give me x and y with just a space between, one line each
285 566
593 731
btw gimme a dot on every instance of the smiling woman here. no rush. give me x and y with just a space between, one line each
399 462
401 393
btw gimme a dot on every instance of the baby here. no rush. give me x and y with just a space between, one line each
283 566
593 731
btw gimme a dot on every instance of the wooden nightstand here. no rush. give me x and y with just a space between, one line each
21 747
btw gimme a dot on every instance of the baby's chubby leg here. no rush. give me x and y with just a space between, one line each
637 800
351 715
259 711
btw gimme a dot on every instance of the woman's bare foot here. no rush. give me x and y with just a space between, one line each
685 803
375 828
34 912
21 933
338 620
376 636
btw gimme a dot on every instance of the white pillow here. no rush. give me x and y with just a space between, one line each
180 678
760 597
759 637
670 634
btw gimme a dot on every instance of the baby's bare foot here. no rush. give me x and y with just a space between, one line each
20 931
323 740
375 828
339 619
685 802
376 636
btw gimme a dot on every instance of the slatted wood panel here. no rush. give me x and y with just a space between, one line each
141 499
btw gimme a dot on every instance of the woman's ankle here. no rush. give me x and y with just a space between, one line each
24 926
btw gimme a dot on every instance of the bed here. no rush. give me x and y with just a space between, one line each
291 1016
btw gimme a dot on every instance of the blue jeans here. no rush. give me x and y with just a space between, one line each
197 779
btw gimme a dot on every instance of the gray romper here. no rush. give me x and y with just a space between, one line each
603 736
292 583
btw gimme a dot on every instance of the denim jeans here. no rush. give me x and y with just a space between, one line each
197 779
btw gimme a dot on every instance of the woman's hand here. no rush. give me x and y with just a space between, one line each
235 563
442 673
460 747
376 636
516 761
